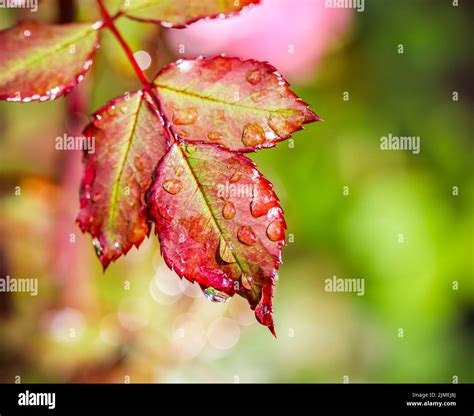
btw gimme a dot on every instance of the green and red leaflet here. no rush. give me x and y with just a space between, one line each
42 61
219 223
129 143
172 153
242 105
179 13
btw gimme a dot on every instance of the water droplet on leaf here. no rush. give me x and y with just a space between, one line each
139 163
218 114
246 235
280 126
191 148
172 186
111 110
214 136
235 177
253 135
262 201
185 116
165 213
225 252
228 210
258 96
247 281
253 76
275 230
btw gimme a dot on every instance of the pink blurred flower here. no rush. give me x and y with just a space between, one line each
290 34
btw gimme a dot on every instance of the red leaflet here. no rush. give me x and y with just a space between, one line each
42 62
129 143
179 13
219 223
242 105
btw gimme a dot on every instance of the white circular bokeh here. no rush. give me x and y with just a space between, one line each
66 324
143 59
223 333
134 314
188 336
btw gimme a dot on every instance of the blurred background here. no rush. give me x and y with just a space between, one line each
401 221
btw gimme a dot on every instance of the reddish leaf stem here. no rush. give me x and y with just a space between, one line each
109 22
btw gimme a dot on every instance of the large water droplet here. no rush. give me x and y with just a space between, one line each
262 201
215 295
185 116
97 247
228 210
246 235
253 135
215 136
253 76
172 186
225 252
275 230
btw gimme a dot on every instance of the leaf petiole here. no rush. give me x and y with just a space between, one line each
109 23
